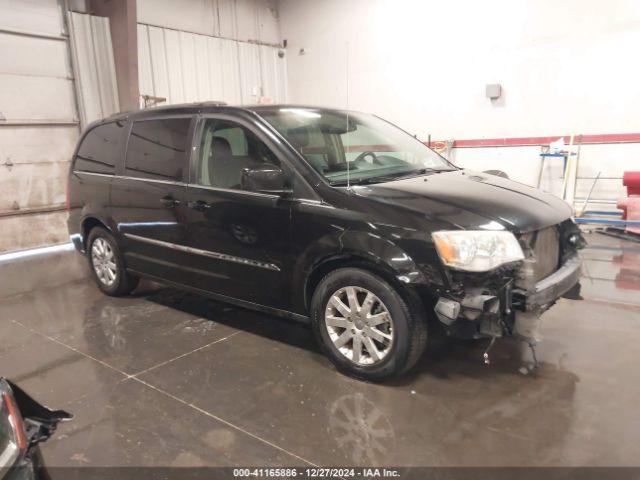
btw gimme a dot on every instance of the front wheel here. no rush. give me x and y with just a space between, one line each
107 264
365 326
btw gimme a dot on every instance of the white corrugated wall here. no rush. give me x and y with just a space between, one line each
210 50
38 123
244 20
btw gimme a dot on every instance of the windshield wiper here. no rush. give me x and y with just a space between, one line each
389 178
401 175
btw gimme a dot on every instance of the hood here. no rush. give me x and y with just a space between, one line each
470 199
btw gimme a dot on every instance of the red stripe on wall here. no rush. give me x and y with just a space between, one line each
532 141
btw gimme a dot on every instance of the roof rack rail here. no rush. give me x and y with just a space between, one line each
213 103
171 106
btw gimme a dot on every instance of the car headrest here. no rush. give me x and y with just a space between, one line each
221 147
298 137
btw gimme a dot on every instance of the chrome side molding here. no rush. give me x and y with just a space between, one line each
205 253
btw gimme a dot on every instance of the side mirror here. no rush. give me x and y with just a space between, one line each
264 179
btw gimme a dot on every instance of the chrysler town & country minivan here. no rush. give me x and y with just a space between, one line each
334 217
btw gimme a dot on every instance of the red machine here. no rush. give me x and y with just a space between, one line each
630 206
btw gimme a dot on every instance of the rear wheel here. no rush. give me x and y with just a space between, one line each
107 264
365 326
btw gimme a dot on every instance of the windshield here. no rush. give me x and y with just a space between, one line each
355 148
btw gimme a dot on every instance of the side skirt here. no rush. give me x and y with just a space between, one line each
223 298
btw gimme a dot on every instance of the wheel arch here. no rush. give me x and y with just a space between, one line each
378 254
335 262
88 224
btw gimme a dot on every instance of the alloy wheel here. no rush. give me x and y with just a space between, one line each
103 261
359 325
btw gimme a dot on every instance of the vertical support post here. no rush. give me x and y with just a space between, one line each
123 22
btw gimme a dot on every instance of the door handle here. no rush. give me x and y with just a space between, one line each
169 202
199 205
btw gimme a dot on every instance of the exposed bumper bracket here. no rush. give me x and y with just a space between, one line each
551 288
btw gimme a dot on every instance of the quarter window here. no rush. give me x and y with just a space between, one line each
157 148
226 149
99 149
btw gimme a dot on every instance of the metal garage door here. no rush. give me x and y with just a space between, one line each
187 67
38 123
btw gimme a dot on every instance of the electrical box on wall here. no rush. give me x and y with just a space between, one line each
493 91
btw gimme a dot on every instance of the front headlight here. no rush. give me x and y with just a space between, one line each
477 251
13 441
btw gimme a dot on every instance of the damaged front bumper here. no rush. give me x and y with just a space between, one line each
493 311
532 304
549 289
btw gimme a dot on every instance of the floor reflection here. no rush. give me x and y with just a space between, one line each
359 427
267 380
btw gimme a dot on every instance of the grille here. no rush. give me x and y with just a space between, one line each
544 250
547 250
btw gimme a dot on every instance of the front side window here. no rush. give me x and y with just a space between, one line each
99 149
157 149
226 149
350 147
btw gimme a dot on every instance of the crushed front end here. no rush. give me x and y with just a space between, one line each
509 300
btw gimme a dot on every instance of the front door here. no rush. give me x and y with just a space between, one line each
148 196
240 239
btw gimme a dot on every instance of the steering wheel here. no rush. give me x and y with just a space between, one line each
363 155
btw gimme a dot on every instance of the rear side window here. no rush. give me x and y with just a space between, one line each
157 149
99 149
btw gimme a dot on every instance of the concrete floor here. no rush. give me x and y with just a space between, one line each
169 378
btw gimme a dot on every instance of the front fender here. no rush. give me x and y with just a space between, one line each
350 247
363 245
384 253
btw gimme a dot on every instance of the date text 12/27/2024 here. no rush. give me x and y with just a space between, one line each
315 473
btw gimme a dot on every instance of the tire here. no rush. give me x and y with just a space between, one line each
103 251
403 338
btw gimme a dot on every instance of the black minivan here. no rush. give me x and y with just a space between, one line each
334 217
